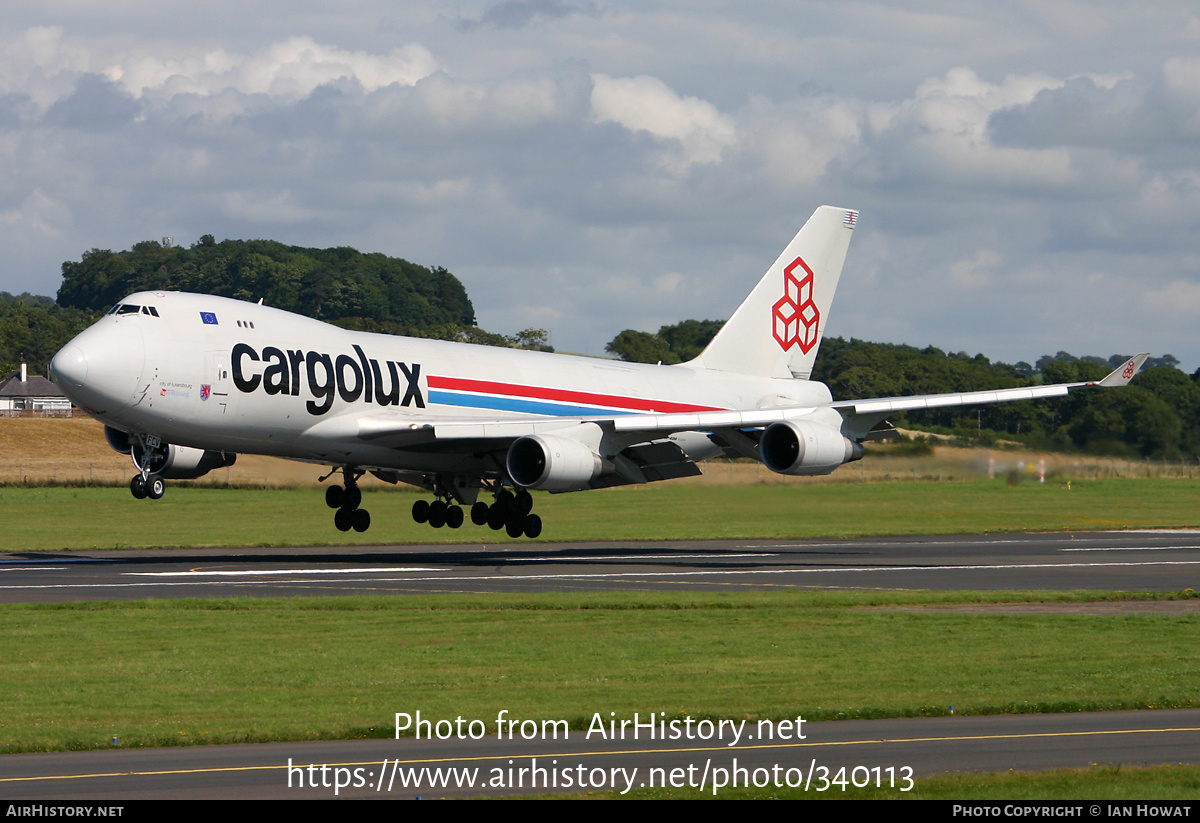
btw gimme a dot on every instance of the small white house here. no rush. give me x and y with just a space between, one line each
24 393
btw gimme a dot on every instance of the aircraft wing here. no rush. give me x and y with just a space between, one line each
861 415
858 415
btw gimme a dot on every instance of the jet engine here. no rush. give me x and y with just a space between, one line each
544 461
179 462
118 439
804 447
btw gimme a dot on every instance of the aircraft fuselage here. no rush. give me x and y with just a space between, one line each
220 374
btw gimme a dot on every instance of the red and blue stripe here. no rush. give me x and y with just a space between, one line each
542 400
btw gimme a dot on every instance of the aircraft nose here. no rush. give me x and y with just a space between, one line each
70 366
99 369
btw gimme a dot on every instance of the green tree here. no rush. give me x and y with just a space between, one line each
688 338
672 344
325 283
641 347
36 328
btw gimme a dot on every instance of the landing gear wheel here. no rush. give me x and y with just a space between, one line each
344 519
479 513
454 517
533 525
523 502
137 487
437 513
360 520
351 498
155 488
495 519
421 511
503 507
333 496
515 525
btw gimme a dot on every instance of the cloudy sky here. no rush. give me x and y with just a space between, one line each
1028 173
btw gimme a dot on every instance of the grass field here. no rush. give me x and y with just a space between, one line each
208 671
180 672
56 518
40 451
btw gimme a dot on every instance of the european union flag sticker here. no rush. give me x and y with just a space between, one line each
209 318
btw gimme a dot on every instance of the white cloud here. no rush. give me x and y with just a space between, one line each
292 68
441 106
975 273
794 143
1175 301
942 134
289 68
669 282
280 208
593 168
648 104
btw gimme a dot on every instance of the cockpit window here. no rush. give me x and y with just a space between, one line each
129 308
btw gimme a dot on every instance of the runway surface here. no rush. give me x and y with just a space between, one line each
883 750
895 752
1154 561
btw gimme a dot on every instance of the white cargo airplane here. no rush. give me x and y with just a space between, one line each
184 382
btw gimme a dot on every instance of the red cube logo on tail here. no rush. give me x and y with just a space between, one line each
795 318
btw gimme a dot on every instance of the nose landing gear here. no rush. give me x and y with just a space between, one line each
144 484
143 487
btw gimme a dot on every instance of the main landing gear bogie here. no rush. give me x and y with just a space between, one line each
347 501
439 513
511 512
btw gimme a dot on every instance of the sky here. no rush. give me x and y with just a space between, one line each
1027 173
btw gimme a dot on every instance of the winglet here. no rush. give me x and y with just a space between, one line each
1121 375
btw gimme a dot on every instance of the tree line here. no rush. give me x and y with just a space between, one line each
327 284
370 292
35 327
1158 415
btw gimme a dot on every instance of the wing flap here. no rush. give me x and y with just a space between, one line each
400 431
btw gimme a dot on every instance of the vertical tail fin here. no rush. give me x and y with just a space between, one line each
777 330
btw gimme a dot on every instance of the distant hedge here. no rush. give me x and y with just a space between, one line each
328 284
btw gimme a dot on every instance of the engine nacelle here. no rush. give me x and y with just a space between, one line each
183 462
804 447
118 439
544 461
